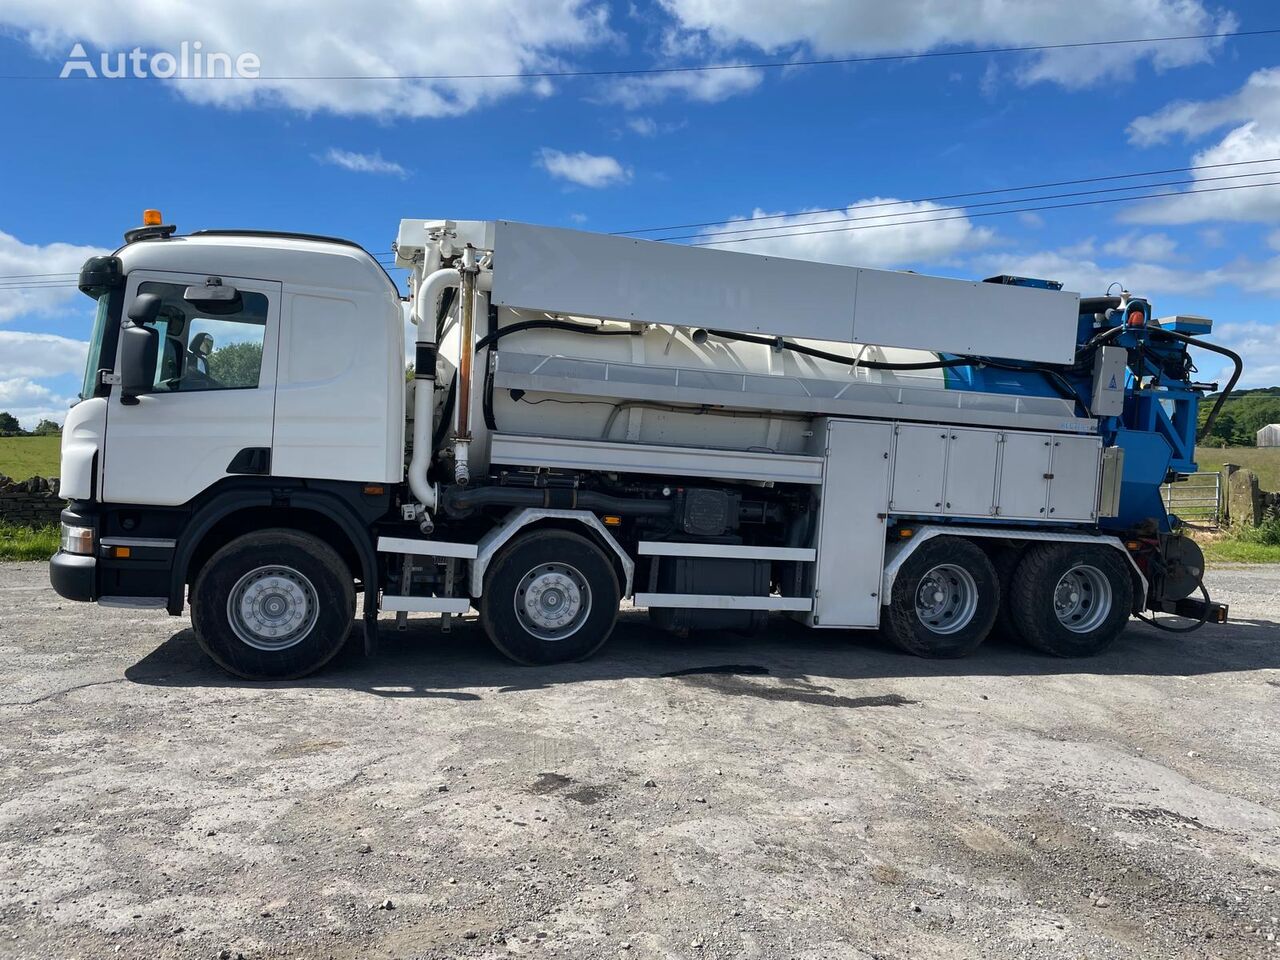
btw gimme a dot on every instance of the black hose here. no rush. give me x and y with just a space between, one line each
1214 348
838 358
446 416
491 338
456 499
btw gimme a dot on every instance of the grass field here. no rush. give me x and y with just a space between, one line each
27 543
25 457
1265 462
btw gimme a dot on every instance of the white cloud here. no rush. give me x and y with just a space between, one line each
1259 98
885 237
584 169
832 28
362 162
1258 345
32 402
708 86
329 38
1084 269
644 126
1143 246
39 278
1253 114
25 354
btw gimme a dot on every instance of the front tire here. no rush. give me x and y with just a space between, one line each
944 601
273 605
1071 599
549 597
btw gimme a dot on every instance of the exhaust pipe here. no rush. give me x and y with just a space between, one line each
466 356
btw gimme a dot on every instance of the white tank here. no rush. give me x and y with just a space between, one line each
589 417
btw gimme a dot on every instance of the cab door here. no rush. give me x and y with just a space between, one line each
212 397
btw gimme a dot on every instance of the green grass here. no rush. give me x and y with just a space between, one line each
27 543
25 457
1264 461
1244 544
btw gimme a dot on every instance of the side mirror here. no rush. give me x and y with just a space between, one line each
145 308
139 349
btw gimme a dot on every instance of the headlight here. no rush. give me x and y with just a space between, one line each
77 539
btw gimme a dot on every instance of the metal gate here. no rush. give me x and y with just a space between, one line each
1196 499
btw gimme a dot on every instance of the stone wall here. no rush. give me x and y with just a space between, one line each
31 503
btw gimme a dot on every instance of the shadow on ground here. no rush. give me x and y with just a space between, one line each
423 661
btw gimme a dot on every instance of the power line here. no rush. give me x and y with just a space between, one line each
762 232
990 213
707 68
948 196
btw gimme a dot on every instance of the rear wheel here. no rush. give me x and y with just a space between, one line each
1071 599
550 596
945 598
273 605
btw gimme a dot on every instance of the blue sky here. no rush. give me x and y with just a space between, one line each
352 158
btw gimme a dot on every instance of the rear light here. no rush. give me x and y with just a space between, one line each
77 539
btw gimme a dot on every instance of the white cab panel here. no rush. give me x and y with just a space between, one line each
341 381
851 523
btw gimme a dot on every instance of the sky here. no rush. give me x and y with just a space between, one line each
613 153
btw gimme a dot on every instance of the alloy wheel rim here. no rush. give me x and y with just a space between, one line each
272 608
1082 598
552 601
946 599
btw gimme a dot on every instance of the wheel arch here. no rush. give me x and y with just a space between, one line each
575 521
235 513
898 553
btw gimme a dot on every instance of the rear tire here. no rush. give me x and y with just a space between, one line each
273 605
944 601
1071 599
550 596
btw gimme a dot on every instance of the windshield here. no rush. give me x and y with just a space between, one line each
91 363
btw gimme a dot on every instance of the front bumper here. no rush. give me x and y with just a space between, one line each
74 575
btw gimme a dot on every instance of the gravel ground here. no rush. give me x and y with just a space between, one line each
798 794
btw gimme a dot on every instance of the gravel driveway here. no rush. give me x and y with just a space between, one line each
797 794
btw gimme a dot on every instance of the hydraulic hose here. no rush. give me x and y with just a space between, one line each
1214 348
490 339
462 499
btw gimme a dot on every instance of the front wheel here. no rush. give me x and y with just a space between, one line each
550 596
944 600
1071 599
273 605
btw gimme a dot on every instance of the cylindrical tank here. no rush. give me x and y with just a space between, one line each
645 420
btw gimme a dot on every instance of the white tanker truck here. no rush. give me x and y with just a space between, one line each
714 436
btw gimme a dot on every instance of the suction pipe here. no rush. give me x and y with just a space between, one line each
425 301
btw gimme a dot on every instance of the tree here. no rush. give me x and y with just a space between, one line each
9 425
47 428
236 364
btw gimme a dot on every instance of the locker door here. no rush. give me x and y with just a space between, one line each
971 473
919 462
851 525
1024 475
1073 491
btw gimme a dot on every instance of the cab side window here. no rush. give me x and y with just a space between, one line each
207 346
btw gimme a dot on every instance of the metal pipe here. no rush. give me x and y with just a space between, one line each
426 295
466 354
